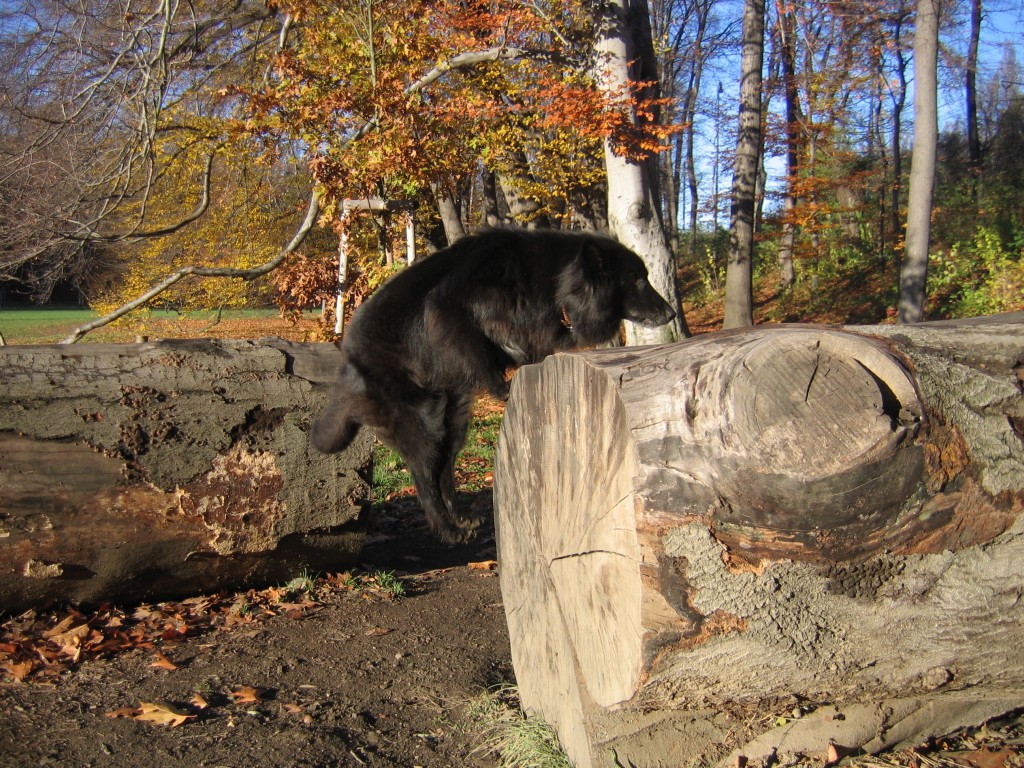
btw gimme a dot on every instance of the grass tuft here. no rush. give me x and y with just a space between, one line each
507 733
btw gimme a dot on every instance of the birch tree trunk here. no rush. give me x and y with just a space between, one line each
914 270
739 273
634 214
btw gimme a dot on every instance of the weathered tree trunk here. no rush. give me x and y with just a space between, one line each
739 271
914 267
132 471
701 537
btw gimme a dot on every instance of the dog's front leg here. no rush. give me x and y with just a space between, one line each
465 358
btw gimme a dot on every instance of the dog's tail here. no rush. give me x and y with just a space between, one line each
333 430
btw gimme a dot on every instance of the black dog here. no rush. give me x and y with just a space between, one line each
455 323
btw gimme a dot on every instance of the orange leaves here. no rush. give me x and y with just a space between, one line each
162 662
246 694
41 648
38 647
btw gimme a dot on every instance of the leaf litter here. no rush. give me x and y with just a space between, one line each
40 646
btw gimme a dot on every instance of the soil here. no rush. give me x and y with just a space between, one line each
353 679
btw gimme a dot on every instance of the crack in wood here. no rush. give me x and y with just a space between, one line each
588 553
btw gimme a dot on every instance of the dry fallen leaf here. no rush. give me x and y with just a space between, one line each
986 757
162 715
198 702
162 662
378 631
157 714
485 565
19 670
248 695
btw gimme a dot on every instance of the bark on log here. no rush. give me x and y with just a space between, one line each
142 471
698 537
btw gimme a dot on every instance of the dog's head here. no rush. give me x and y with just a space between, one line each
605 284
641 303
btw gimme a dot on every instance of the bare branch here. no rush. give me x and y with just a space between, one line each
239 274
467 59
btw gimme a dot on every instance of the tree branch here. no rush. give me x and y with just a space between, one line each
188 271
459 61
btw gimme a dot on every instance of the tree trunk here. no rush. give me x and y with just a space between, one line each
971 96
899 100
522 210
794 120
448 210
914 270
701 537
634 215
143 471
739 274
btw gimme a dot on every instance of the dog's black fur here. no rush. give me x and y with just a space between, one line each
454 323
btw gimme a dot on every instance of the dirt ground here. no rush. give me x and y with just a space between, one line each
352 679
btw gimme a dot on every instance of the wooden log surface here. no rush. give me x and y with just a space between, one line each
132 471
698 537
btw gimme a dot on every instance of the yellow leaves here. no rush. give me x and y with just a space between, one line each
155 714
242 227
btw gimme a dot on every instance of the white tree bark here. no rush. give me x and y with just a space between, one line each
634 215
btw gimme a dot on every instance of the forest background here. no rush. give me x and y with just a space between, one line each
142 141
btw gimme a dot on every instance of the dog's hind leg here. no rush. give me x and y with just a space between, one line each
333 430
429 442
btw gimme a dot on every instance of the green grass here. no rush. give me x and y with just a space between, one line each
42 325
47 325
390 474
384 583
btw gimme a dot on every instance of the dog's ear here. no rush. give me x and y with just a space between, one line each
592 258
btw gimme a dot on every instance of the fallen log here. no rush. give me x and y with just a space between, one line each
144 471
757 526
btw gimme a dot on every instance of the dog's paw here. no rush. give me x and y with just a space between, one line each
460 530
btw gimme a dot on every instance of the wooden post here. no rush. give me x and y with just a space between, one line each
373 205
339 304
698 538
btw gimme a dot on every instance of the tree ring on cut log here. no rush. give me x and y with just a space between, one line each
817 428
